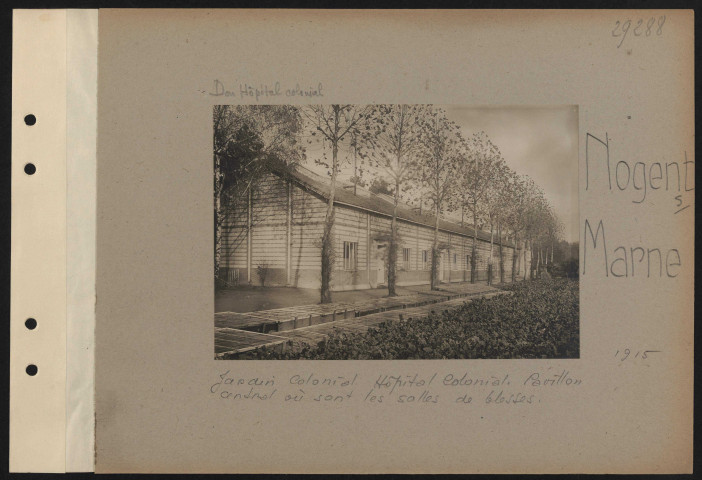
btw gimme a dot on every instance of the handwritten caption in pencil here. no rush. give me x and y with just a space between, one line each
459 388
265 92
640 182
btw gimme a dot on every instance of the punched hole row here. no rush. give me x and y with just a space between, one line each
30 323
30 168
31 369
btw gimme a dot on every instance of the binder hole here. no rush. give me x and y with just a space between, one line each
29 169
30 119
32 370
30 323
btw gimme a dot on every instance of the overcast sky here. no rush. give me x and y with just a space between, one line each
541 142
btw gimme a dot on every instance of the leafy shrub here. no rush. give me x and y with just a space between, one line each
566 269
540 319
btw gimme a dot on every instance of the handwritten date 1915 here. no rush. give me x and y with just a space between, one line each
628 354
640 28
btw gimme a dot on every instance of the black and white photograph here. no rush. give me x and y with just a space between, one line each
387 231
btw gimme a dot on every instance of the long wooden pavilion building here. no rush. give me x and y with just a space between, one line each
276 232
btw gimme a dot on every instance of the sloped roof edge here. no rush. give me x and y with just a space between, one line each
375 204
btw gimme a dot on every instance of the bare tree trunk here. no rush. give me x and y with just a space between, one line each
542 260
545 257
217 237
492 236
516 255
534 263
392 252
473 249
421 193
435 252
355 170
327 240
543 263
218 215
502 260
526 250
534 260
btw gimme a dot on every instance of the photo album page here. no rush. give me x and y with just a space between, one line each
352 241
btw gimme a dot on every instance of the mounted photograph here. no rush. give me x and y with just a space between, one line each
388 232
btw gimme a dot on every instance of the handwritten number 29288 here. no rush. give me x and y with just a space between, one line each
638 27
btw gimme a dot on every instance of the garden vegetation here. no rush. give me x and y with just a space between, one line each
537 319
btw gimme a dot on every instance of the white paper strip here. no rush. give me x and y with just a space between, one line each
38 271
81 144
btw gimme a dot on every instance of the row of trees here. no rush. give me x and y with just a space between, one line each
421 156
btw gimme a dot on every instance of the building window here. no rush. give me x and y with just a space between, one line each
425 259
406 258
468 262
455 261
350 250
